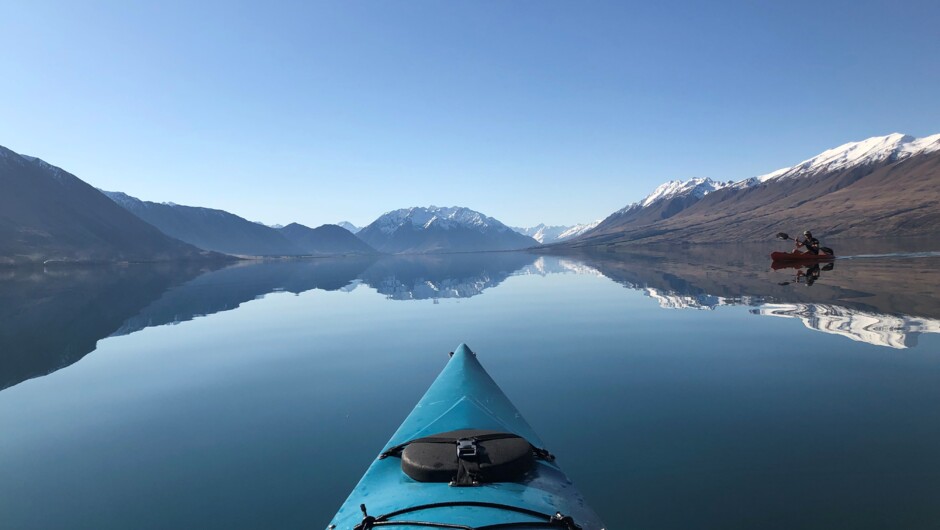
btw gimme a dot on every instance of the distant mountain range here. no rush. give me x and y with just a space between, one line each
886 186
552 234
49 215
325 240
208 228
349 226
222 231
434 229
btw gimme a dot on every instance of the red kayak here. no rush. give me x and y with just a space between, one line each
800 256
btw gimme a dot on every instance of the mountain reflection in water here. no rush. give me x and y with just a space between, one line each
884 301
435 276
51 319
863 326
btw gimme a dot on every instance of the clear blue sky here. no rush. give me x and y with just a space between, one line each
534 111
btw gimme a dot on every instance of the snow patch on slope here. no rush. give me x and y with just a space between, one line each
552 234
893 147
542 233
577 230
121 198
433 216
695 187
349 226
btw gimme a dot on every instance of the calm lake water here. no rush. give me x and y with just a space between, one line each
700 390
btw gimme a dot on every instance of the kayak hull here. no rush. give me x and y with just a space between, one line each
463 397
800 256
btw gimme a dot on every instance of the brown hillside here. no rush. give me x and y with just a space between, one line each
899 199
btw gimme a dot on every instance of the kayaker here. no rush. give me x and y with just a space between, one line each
810 242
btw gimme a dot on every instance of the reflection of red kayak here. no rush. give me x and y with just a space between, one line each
800 256
798 265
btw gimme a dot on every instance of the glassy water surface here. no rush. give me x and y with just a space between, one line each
700 389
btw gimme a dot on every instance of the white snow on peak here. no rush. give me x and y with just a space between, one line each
121 198
577 230
438 217
349 226
892 147
546 234
695 187
542 233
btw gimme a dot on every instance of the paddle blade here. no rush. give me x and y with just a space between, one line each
782 235
827 250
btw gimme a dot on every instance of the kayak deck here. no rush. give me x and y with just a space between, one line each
464 396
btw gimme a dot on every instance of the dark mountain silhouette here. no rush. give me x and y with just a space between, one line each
48 214
209 229
325 240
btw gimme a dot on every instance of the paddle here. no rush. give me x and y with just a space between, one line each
783 235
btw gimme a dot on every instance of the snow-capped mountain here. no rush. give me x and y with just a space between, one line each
545 234
694 188
577 230
893 147
444 218
542 233
441 229
349 226
664 202
884 186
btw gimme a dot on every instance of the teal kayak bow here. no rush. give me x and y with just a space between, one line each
465 459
